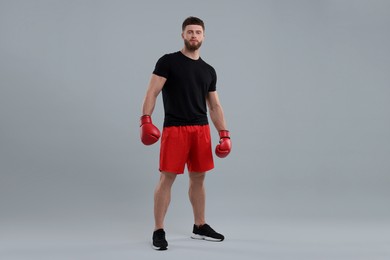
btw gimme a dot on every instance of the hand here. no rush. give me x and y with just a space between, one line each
225 144
149 132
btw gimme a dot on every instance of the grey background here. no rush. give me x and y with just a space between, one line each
305 87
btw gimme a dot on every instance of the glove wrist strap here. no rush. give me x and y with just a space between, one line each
224 134
145 119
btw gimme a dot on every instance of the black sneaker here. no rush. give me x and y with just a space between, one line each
205 232
159 241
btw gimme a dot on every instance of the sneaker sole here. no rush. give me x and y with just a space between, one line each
159 248
200 237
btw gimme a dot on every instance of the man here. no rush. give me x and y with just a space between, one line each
188 86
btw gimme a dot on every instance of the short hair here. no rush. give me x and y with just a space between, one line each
192 20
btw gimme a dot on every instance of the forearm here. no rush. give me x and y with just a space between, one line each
155 86
217 117
148 104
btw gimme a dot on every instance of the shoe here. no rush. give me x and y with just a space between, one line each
159 241
205 232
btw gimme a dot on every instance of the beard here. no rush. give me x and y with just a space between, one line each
191 46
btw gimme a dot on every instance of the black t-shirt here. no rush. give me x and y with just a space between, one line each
184 92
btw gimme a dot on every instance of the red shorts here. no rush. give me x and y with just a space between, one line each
189 145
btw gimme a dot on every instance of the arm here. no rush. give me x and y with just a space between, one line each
155 86
149 132
216 111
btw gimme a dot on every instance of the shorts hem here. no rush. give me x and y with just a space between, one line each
182 172
172 171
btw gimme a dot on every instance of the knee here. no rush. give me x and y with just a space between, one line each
197 177
167 177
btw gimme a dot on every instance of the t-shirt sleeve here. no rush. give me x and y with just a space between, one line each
213 85
162 67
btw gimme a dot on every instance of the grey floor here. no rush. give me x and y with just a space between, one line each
245 239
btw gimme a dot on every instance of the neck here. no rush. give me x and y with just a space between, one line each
191 54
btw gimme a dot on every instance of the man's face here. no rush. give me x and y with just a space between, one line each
193 37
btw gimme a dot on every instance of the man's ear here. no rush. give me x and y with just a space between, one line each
182 35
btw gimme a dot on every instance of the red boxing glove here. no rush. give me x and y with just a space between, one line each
225 145
149 132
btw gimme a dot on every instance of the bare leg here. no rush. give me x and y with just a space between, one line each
197 196
162 198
